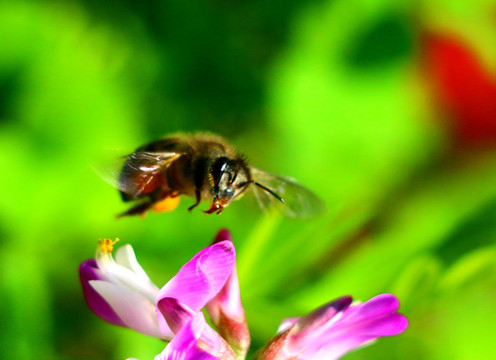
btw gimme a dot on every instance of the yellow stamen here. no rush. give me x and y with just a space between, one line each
107 245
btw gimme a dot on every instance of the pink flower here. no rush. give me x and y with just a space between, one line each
120 292
334 329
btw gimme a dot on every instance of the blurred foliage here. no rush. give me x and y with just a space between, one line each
334 93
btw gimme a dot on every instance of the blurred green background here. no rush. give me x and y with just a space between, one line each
386 109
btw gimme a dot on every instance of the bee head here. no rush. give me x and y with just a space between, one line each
228 179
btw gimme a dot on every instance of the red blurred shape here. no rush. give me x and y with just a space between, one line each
465 90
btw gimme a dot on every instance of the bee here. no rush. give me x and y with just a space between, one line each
207 168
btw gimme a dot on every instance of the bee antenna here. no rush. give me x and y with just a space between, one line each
268 190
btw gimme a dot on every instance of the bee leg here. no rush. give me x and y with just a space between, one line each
139 209
198 199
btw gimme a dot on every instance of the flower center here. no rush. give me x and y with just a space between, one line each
107 245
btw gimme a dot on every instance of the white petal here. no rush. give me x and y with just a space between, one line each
135 310
122 275
126 257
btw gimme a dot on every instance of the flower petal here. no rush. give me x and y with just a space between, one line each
336 345
175 313
227 312
216 345
385 325
322 315
378 305
334 351
228 300
201 278
119 274
135 310
340 343
126 257
334 329
311 326
185 345
369 314
88 271
359 325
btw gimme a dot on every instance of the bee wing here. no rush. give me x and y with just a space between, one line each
297 201
133 173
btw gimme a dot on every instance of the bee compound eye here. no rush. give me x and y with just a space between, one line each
227 192
219 167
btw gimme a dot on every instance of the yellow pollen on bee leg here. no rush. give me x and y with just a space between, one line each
167 204
107 245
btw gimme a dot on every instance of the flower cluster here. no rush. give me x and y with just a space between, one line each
120 292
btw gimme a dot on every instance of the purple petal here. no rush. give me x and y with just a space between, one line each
210 340
228 300
336 344
323 314
373 313
184 346
378 305
201 278
388 325
226 310
385 325
88 270
360 324
310 326
333 351
175 313
324 336
340 343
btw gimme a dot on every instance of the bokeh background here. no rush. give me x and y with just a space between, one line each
386 109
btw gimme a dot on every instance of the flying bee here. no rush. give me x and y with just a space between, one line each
207 168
